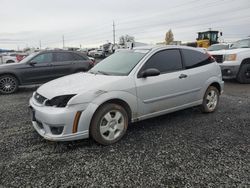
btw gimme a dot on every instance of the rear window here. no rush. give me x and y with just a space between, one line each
193 58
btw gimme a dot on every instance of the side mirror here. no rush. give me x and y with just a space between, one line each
32 63
149 73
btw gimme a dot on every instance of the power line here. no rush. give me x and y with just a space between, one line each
203 16
113 32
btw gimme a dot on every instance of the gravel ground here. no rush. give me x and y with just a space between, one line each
182 149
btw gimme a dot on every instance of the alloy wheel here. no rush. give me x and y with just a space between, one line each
211 100
7 85
112 125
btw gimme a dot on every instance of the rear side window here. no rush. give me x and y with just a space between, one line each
78 57
63 56
165 61
193 58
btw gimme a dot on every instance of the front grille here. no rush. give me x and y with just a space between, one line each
39 98
218 58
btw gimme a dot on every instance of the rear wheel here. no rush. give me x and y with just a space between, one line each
10 61
8 84
210 100
244 74
109 124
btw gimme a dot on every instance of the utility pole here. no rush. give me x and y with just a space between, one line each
40 44
63 40
113 32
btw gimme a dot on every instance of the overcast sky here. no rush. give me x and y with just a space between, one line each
89 22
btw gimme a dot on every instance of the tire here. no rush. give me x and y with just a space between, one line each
244 74
10 61
210 100
8 84
109 124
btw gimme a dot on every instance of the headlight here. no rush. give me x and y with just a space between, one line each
60 101
230 57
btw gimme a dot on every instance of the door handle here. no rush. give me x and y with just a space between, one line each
183 76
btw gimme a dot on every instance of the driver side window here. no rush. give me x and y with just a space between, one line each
165 61
43 58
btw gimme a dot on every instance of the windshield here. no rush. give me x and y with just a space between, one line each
120 63
241 44
26 59
218 47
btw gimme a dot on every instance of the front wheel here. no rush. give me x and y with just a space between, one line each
8 84
210 100
244 74
109 124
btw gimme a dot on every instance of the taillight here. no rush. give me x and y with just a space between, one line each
92 63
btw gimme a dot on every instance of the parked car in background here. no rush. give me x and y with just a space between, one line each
235 62
97 53
220 46
41 67
12 57
128 86
4 58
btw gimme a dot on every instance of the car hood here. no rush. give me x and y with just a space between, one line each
229 51
78 83
9 65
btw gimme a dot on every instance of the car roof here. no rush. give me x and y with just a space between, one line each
162 47
57 50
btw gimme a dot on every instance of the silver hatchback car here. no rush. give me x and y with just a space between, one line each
128 86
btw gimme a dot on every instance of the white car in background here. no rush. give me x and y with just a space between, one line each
5 58
97 53
235 62
128 86
220 46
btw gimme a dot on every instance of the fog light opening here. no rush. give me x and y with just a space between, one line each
229 71
56 130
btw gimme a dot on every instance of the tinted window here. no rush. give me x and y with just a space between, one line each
165 61
43 58
62 56
193 58
241 44
78 57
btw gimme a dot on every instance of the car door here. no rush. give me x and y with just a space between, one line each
167 91
63 64
197 64
38 69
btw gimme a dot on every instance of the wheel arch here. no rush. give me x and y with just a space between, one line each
117 101
216 85
11 74
245 61
10 61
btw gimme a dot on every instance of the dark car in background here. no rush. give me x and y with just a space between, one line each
41 67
